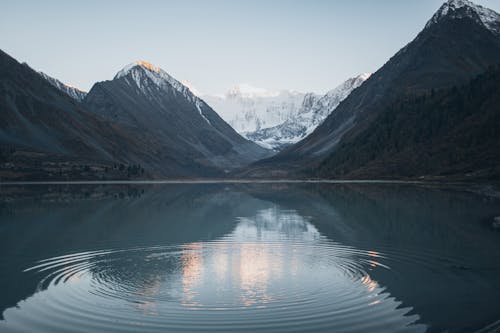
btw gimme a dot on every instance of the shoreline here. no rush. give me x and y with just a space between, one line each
248 181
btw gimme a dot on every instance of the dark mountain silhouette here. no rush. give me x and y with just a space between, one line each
45 134
452 132
180 133
122 130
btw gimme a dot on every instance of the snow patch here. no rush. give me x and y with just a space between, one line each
68 89
198 106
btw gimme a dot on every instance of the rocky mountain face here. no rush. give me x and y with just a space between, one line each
460 42
71 91
313 111
277 119
179 132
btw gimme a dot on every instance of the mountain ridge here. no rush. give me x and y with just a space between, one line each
181 131
411 140
71 91
450 52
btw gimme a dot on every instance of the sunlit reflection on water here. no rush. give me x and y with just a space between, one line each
273 269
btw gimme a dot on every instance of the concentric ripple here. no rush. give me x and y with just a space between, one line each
223 285
274 272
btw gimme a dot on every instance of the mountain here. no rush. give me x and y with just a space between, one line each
142 123
248 109
461 41
45 134
313 111
180 134
449 132
277 119
71 91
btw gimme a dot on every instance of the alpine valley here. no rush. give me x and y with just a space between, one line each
355 193
430 112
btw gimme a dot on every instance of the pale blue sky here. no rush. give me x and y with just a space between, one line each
303 45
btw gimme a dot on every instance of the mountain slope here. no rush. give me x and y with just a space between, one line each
455 46
180 133
73 92
449 132
45 134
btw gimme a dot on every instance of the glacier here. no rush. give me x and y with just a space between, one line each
276 119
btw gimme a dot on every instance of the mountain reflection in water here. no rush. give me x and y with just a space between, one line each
247 257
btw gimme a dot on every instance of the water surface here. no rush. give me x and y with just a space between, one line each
242 257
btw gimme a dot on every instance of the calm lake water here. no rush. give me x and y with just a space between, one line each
243 257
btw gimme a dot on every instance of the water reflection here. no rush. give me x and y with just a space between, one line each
192 266
240 267
229 258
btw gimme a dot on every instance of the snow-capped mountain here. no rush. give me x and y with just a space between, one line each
275 120
453 9
456 54
248 109
313 111
180 133
141 74
73 92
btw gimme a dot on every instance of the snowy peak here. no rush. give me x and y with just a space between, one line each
137 64
152 81
142 73
464 8
70 90
148 65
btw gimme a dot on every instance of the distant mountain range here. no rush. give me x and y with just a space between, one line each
380 131
431 112
312 112
277 119
141 123
248 109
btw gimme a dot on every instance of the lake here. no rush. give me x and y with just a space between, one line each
229 257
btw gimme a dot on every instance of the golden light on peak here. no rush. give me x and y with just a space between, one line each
147 65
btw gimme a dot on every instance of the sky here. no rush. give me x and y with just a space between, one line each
307 46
